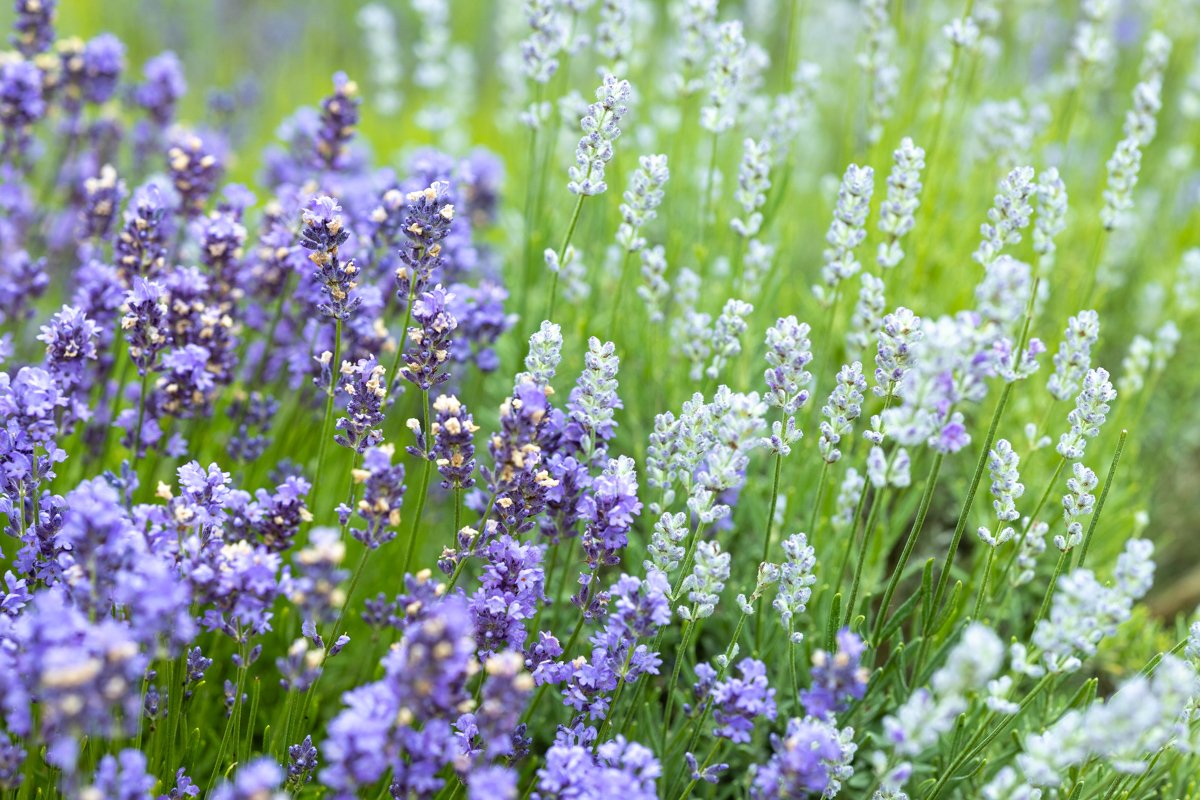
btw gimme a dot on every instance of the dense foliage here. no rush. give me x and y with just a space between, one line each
766 399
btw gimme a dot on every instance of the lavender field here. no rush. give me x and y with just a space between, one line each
584 399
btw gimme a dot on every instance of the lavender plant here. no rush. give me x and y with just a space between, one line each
304 496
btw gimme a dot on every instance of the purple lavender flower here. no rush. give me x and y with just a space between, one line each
400 722
33 26
254 780
164 84
122 777
22 281
12 760
836 679
253 415
71 343
737 702
453 443
610 511
140 246
481 321
506 690
273 519
103 194
21 105
302 763
492 783
510 590
811 759
429 340
195 168
103 63
618 769
426 223
363 385
339 115
383 494
323 232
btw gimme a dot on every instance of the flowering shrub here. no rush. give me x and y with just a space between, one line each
494 473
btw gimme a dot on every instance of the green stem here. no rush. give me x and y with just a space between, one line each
562 253
327 423
909 544
766 548
987 571
862 555
422 492
1112 470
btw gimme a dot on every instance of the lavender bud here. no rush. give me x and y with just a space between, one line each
642 199
1074 354
842 409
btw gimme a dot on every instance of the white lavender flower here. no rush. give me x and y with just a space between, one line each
903 199
378 25
726 334
1092 50
1140 127
655 289
899 337
842 409
847 499
882 472
666 551
696 21
754 180
875 59
1135 365
708 578
1074 355
846 232
725 75
547 37
1051 216
868 315
1006 489
1032 547
1091 410
545 353
1187 282
614 33
756 263
1141 718
928 714
1084 611
789 351
795 581
642 199
1008 216
1166 340
600 129
1077 504
594 401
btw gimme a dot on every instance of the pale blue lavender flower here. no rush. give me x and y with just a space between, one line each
899 337
726 335
842 409
1091 410
383 494
1073 359
1085 611
33 26
812 758
323 231
594 400
1079 503
726 70
704 585
1051 216
754 181
846 232
1008 217
738 702
642 199
544 356
600 130
837 678
654 290
795 582
868 315
903 199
